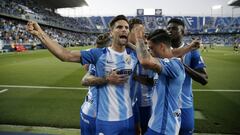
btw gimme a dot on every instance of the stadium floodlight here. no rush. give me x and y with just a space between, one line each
216 7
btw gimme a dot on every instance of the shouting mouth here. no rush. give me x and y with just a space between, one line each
123 37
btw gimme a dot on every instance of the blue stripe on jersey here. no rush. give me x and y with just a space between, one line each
103 93
165 111
133 90
120 89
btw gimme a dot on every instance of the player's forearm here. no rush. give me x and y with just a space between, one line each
178 52
142 52
144 80
129 45
90 80
145 58
54 47
196 76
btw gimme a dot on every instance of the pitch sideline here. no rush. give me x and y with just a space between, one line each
83 88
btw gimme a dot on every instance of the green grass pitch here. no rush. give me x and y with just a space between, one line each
60 107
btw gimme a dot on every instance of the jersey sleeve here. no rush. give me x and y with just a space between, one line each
196 60
90 56
171 67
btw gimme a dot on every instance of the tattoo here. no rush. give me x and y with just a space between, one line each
156 66
142 49
144 55
90 80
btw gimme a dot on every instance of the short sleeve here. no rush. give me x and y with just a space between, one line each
90 56
171 67
196 60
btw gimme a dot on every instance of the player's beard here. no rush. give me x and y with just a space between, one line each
122 41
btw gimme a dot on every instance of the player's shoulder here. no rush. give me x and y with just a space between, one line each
132 52
97 51
173 61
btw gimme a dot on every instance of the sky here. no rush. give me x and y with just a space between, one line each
169 7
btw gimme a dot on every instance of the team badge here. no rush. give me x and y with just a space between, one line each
128 59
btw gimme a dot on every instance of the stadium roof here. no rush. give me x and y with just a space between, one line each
234 3
53 4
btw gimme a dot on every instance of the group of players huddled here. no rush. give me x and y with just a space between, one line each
139 83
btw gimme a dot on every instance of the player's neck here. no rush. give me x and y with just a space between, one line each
118 48
168 54
176 43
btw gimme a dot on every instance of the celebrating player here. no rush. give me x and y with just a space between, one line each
89 108
169 77
114 102
195 69
142 108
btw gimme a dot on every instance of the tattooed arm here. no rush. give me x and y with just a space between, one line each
53 47
144 56
112 78
91 80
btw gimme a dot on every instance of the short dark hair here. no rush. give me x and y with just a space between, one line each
117 18
160 36
103 40
177 21
134 21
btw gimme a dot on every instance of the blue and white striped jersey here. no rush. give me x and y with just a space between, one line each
89 106
114 102
144 92
194 61
165 117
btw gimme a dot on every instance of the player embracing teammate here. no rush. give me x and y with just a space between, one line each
114 67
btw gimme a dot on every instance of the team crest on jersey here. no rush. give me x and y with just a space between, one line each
128 59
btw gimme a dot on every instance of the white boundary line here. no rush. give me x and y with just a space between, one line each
214 90
42 87
3 90
82 88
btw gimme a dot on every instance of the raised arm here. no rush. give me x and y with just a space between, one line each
178 52
144 56
56 49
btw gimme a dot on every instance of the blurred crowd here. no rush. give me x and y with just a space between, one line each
220 39
14 31
80 31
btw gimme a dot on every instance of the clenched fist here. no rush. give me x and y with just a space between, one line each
195 44
34 28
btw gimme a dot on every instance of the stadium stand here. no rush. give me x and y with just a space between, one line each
83 30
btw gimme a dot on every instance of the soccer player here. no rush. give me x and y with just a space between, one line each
89 107
114 103
204 48
168 78
195 69
142 107
144 78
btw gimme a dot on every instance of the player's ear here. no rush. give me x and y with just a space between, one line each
110 33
